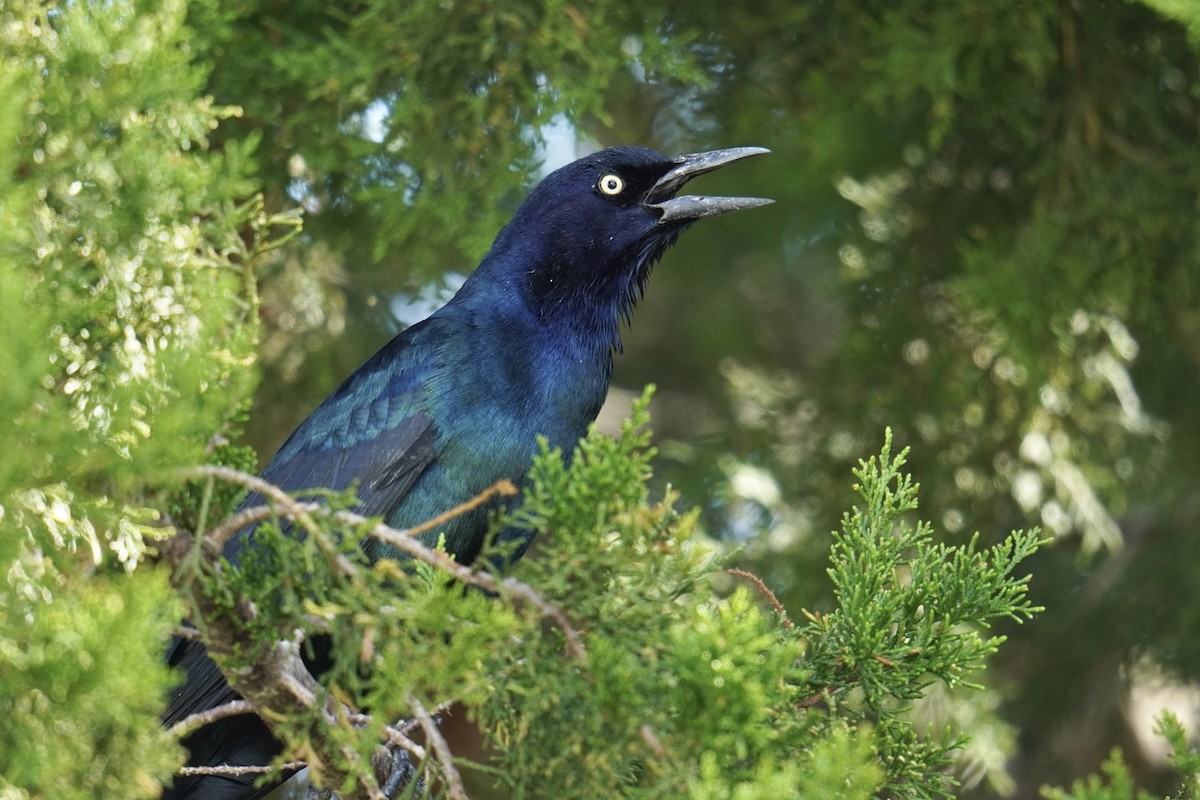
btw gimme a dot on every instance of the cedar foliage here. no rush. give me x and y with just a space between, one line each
151 263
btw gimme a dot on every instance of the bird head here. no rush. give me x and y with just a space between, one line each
587 236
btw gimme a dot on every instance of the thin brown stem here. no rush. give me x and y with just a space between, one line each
509 587
762 587
198 720
454 785
229 769
278 683
502 487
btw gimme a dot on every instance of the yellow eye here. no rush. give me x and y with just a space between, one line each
611 185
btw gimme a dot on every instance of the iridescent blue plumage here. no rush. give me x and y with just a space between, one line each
456 402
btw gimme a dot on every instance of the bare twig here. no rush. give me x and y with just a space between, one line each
186 632
454 785
815 697
397 738
652 741
294 508
762 587
229 769
244 518
443 708
501 487
397 733
510 587
295 686
278 683
198 720
524 591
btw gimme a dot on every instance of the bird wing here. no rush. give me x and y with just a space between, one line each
370 433
384 461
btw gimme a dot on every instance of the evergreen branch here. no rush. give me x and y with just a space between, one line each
201 718
229 769
402 540
454 785
503 488
295 508
277 684
762 587
510 587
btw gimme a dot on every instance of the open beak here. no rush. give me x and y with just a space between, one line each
692 207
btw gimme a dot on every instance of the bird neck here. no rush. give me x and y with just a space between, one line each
554 369
545 314
556 302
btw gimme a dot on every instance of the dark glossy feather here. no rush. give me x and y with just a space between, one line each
457 402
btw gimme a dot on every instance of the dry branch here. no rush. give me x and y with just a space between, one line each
278 684
454 785
198 720
762 587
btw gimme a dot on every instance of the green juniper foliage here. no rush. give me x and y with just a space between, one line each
126 337
194 504
1016 227
128 334
911 613
1117 782
690 694
678 691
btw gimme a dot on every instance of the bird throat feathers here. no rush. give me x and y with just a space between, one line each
593 297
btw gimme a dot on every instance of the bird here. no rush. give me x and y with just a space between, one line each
524 349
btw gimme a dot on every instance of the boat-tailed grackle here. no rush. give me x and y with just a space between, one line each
457 401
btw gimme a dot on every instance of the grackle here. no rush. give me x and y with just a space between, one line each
456 402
